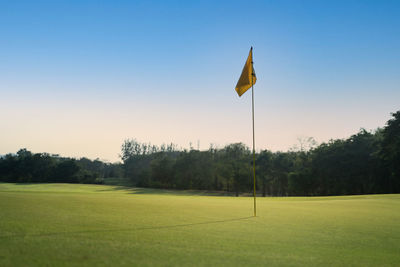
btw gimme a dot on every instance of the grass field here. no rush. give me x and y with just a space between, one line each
64 224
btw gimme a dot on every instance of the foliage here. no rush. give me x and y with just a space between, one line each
365 163
26 167
390 154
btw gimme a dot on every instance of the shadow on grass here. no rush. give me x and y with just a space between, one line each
124 230
131 189
155 191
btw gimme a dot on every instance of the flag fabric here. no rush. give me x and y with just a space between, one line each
248 77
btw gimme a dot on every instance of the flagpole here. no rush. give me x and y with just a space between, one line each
252 113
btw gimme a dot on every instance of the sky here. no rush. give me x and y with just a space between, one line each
77 78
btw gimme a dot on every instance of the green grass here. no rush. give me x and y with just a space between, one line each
64 224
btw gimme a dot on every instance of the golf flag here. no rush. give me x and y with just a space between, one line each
248 77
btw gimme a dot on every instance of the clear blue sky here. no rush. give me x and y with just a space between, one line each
78 77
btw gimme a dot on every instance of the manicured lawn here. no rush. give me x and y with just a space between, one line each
64 224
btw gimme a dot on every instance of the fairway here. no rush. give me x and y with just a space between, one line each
67 224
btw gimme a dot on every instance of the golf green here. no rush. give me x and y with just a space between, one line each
67 224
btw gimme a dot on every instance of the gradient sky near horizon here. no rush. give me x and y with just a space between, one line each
79 77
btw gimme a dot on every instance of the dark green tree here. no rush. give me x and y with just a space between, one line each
237 157
390 155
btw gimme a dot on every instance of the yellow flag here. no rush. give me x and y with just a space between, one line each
248 77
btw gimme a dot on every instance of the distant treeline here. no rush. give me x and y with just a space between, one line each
365 163
26 167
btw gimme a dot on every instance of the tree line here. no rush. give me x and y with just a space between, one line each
26 167
365 163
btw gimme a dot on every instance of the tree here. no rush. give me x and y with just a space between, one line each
161 172
390 154
264 170
66 171
282 164
237 157
130 148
